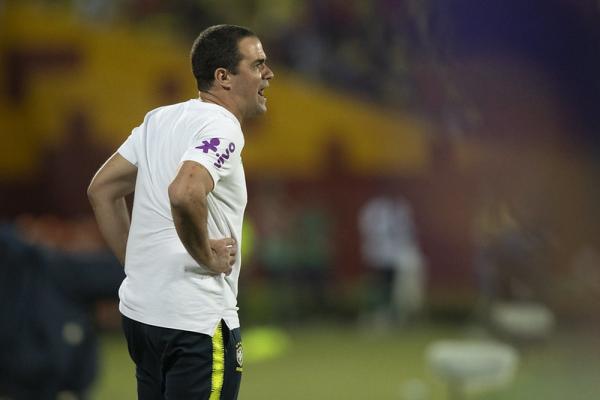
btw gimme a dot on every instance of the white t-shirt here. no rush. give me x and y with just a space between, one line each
164 285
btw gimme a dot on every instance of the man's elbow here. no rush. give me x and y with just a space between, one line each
93 192
97 193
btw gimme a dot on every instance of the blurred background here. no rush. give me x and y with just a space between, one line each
423 217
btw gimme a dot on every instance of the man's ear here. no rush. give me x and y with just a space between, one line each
223 78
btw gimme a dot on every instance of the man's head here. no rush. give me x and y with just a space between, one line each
229 63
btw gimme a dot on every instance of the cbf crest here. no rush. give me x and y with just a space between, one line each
239 356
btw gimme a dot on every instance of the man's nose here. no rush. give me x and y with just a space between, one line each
268 73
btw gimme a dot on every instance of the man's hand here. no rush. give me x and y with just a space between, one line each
224 252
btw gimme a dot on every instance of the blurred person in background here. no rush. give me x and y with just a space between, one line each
393 258
52 273
294 251
180 250
500 249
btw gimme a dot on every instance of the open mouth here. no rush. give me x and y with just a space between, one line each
261 92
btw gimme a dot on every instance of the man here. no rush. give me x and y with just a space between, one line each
49 286
178 299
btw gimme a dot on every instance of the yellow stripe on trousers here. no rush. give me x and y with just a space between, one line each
218 364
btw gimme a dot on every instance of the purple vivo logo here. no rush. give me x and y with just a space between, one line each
211 145
225 156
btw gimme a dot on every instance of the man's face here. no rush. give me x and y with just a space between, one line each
252 78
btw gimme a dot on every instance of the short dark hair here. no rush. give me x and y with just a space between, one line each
216 47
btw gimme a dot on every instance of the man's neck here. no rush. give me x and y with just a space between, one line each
208 97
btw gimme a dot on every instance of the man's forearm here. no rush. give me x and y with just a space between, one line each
190 217
188 197
113 221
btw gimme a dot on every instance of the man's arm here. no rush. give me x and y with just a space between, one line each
107 191
187 194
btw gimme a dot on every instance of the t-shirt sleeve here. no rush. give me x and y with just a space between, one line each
128 148
217 147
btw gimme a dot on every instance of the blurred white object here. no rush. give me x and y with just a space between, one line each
523 320
472 366
408 288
